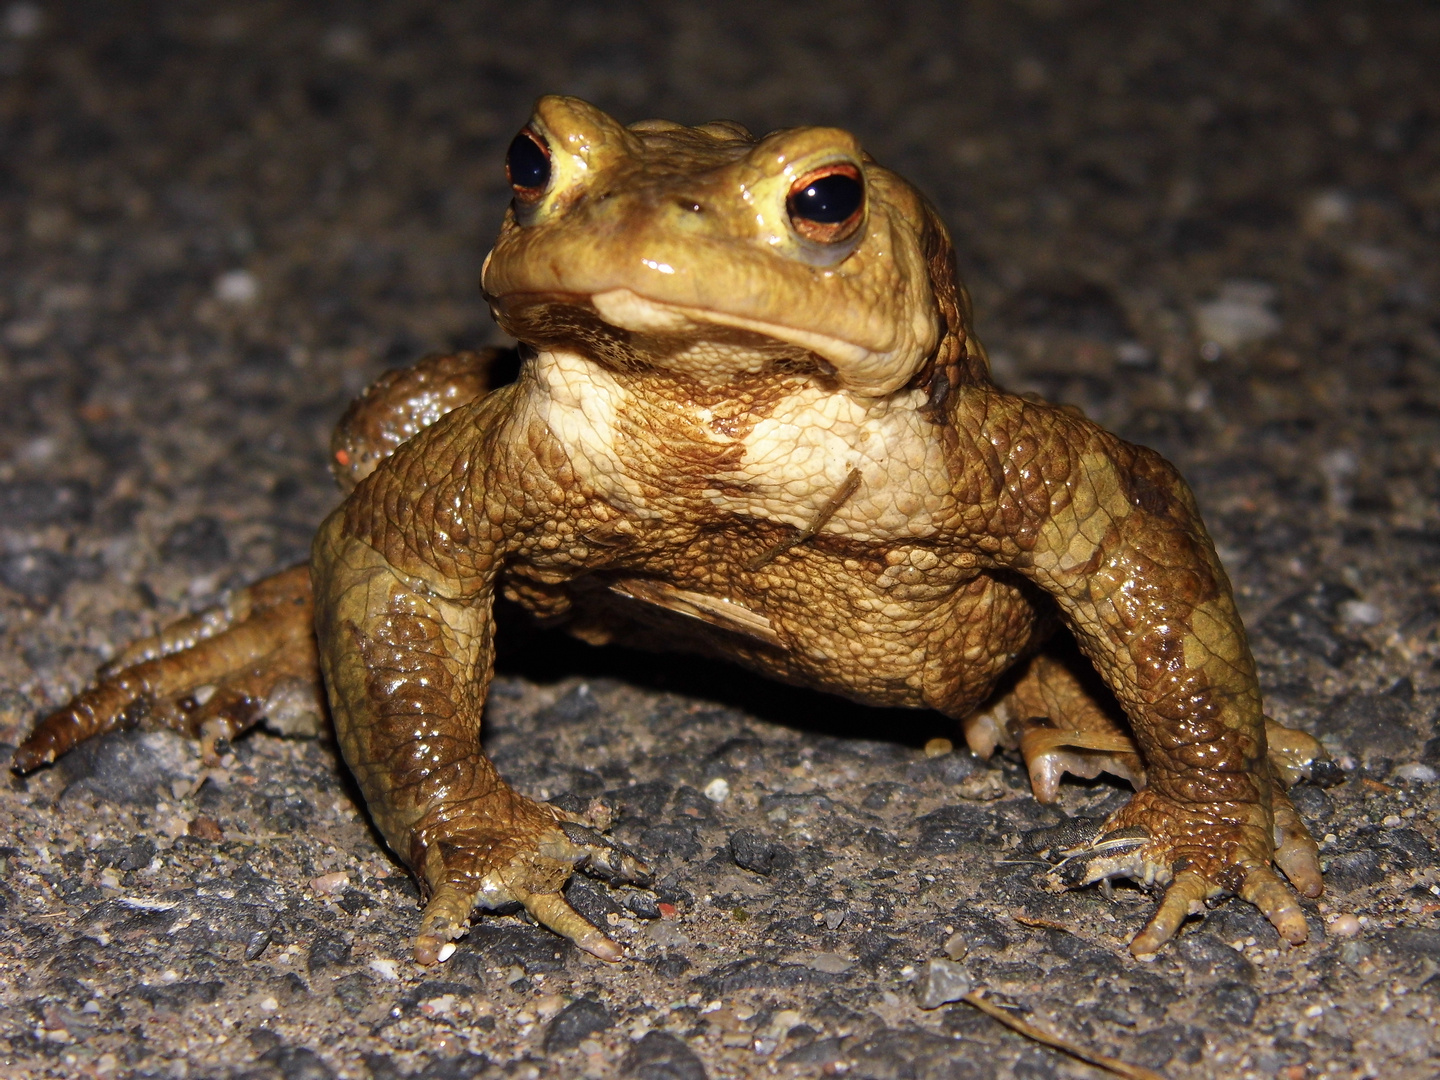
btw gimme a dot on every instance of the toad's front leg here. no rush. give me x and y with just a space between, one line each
1112 533
407 656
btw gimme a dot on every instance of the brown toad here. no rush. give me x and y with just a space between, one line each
751 420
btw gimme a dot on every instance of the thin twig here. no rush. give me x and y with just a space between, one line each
1030 1031
1042 924
848 488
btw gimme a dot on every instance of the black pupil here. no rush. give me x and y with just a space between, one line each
828 200
526 163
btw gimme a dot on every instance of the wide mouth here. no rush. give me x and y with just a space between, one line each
629 310
623 315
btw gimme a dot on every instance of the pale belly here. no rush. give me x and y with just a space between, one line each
803 539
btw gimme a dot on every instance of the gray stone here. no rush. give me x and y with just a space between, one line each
661 1056
941 981
579 1019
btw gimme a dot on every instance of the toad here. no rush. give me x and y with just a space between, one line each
751 420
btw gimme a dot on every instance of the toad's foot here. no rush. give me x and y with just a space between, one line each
528 864
1201 852
211 675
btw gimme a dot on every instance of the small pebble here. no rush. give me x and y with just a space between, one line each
1133 354
1416 772
237 287
717 790
207 828
385 969
830 963
1344 926
1354 952
1328 208
344 42
1360 613
446 951
942 981
782 1021
938 748
1239 315
330 884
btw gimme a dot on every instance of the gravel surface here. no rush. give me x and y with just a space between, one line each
1212 226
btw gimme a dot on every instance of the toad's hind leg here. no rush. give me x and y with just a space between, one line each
1059 725
220 672
212 675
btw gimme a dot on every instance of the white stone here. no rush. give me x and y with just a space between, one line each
830 963
1360 613
1239 315
717 790
1417 772
238 287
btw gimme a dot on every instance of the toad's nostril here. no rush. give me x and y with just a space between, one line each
692 205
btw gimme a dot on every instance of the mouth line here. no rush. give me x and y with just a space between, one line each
626 309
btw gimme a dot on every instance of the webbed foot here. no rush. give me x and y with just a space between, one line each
1200 853
526 860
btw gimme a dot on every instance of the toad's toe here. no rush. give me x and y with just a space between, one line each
1185 897
1201 853
552 910
1050 753
1266 891
446 918
1297 755
1296 852
544 850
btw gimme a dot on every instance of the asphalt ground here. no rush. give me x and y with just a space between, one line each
1211 226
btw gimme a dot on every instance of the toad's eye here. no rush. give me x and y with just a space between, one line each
527 165
826 205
